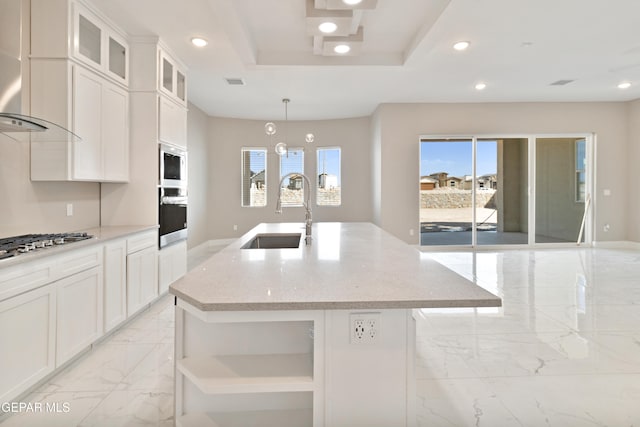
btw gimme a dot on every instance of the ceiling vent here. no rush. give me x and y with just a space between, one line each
561 82
233 81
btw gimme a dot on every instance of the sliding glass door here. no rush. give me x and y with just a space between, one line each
446 210
503 190
560 189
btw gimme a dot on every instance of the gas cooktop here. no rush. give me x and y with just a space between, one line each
12 246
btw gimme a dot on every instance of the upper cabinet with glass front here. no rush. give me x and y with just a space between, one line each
172 78
99 45
64 28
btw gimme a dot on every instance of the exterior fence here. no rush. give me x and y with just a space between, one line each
451 198
324 197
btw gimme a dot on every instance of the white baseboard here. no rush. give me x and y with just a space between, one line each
622 244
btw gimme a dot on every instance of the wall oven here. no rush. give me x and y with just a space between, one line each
172 215
173 166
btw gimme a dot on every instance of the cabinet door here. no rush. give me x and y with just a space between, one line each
117 58
27 352
142 278
173 80
172 123
172 265
87 113
88 38
115 284
115 133
79 313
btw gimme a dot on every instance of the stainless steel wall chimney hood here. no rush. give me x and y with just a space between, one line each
13 123
25 128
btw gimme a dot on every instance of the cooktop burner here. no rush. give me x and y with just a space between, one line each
12 246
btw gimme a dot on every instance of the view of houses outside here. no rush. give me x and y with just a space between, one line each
446 186
327 182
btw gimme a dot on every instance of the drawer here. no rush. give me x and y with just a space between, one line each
77 261
142 241
22 278
33 274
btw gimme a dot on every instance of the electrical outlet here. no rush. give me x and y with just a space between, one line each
69 209
365 328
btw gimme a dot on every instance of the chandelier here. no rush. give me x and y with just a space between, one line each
271 129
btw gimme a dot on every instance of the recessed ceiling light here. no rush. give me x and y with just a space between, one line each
624 85
351 2
461 45
481 86
342 48
199 42
328 27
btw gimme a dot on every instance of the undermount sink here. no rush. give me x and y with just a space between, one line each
274 241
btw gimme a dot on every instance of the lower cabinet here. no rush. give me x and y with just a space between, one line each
142 278
115 284
79 313
54 308
28 331
172 265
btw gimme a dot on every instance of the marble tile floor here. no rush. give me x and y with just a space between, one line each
564 350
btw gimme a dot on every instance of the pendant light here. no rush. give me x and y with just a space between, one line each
271 129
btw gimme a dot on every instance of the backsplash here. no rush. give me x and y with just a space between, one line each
41 207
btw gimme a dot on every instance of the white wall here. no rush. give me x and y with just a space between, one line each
633 160
227 137
400 126
198 210
40 207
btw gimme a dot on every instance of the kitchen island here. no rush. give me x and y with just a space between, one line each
319 335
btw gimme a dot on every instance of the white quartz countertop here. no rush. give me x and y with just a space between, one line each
100 235
348 266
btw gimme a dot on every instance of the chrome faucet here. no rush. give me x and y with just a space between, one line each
307 206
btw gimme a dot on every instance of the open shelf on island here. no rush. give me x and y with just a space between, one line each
249 373
282 418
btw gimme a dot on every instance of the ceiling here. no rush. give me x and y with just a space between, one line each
518 48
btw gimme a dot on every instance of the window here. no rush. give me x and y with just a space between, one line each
254 177
580 170
328 191
292 192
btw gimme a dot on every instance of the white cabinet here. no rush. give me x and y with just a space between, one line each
79 313
142 271
79 76
172 108
28 331
172 78
115 133
115 284
172 265
70 29
97 111
249 368
99 45
54 307
172 123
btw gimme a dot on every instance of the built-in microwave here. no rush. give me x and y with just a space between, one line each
173 166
